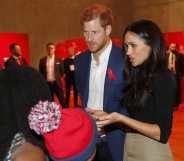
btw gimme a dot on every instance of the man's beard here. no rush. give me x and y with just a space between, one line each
95 47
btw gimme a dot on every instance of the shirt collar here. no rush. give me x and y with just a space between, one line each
52 57
105 55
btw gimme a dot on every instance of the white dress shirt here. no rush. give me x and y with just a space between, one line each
97 79
50 68
171 63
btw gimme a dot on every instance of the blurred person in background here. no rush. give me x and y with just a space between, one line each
16 57
51 67
175 62
69 69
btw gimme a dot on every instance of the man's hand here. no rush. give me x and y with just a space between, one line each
95 113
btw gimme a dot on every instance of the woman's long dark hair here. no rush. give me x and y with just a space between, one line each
138 79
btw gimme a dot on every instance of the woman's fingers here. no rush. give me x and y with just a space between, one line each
103 123
94 112
89 110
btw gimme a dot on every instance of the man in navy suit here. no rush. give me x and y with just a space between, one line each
99 81
51 67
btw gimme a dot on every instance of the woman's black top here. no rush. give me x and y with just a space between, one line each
159 107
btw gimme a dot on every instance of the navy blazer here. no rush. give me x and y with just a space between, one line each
112 93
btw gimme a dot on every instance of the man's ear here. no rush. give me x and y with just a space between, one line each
108 29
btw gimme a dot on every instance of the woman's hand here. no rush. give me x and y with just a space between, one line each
104 119
95 113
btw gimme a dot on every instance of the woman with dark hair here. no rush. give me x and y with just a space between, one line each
149 95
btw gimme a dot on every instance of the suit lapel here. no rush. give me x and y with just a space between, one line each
107 86
14 60
45 65
56 60
87 75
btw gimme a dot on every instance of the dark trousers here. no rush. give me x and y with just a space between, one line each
69 84
102 152
178 92
57 89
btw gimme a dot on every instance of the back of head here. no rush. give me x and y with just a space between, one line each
25 83
25 87
21 88
97 11
5 135
151 34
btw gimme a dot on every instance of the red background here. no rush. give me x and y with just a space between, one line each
7 38
177 37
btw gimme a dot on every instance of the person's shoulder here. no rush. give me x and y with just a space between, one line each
83 55
164 75
179 54
116 49
43 58
164 72
57 57
10 58
9 61
114 46
58 60
116 53
66 61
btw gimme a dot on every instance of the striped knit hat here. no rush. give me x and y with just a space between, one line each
70 134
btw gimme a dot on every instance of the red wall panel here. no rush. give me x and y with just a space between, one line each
7 38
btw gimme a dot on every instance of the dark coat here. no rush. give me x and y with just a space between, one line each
58 68
12 62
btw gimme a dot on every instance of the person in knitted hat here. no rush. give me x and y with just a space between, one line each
21 88
69 134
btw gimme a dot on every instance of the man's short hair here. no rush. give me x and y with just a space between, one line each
48 44
97 11
12 46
